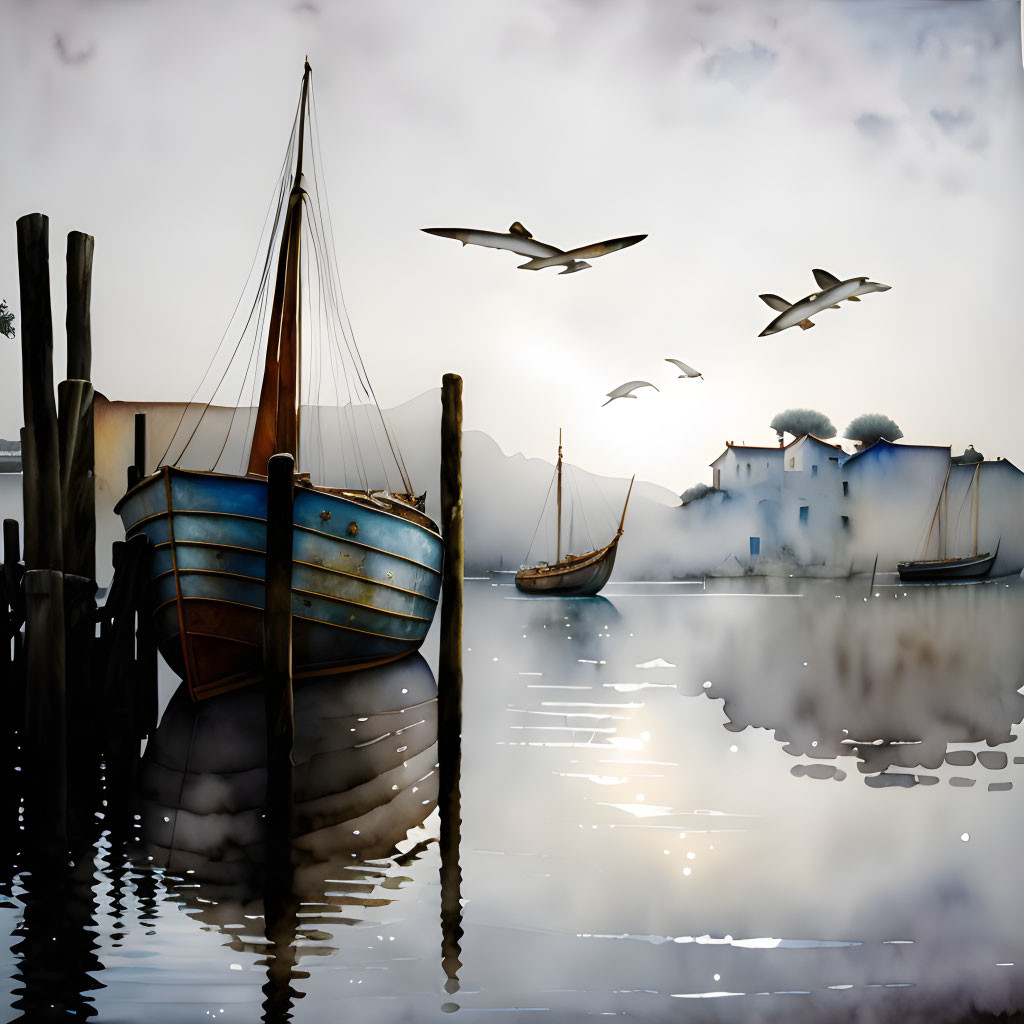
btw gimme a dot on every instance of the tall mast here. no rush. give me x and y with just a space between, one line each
977 487
277 421
558 546
622 521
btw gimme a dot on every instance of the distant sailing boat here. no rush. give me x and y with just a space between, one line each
973 566
366 569
575 575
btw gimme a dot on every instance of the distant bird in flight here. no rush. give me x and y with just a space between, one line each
688 371
519 240
833 291
623 390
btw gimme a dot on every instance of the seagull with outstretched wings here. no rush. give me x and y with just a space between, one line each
833 291
517 240
542 255
623 390
688 371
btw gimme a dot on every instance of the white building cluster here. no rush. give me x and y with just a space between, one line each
811 509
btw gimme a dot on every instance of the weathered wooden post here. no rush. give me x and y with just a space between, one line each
137 470
146 657
45 707
44 528
12 729
277 670
449 681
45 711
78 487
10 588
12 573
78 495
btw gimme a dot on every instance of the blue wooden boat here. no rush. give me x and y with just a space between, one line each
366 564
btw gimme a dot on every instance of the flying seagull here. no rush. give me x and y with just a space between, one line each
623 390
517 240
688 371
798 314
584 252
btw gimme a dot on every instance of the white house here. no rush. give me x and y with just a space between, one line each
809 508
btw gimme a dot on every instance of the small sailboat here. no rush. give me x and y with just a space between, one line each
366 562
942 569
575 575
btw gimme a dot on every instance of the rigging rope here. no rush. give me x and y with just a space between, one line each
275 207
329 329
543 509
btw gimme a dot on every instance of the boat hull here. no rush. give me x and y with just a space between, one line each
365 581
937 570
581 576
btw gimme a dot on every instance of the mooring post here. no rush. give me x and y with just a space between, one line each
146 660
12 610
137 470
13 572
449 681
45 707
277 667
45 713
78 487
44 549
79 326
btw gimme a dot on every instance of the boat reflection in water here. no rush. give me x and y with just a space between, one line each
365 776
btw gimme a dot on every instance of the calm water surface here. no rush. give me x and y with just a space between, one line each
777 797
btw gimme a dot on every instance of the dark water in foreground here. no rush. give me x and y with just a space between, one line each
763 800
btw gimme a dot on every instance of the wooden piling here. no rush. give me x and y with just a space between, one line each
45 714
43 528
43 585
78 322
77 477
137 470
277 665
449 681
12 606
75 404
78 528
146 656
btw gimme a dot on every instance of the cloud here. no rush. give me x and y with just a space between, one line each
741 67
876 127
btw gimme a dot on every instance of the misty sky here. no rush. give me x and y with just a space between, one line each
751 139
